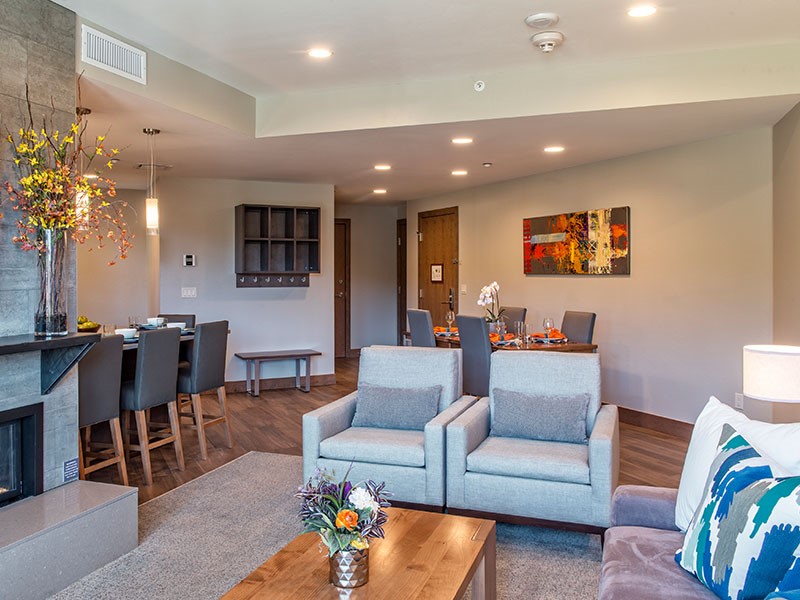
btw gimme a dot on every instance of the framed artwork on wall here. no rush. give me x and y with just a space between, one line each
592 242
437 273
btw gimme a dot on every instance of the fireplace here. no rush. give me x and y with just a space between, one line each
21 453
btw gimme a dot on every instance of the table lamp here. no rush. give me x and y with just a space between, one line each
772 373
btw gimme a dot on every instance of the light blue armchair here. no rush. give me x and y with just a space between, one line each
541 445
410 461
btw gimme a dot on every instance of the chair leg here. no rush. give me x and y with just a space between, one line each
197 408
119 451
126 434
81 466
222 399
144 445
175 426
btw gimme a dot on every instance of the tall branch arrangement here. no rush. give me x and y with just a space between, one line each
52 192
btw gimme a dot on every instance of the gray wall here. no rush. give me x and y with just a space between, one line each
671 333
37 46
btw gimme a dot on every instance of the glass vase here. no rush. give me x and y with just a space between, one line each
349 569
51 312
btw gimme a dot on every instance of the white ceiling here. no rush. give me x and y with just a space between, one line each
257 46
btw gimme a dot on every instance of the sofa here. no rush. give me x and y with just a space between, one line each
639 549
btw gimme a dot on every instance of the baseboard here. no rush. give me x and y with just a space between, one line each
280 383
679 429
353 353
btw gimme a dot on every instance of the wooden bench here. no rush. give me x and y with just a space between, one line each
253 362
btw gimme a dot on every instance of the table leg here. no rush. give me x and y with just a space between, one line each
308 374
257 375
248 364
484 584
297 373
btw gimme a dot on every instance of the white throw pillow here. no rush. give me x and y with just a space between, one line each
779 444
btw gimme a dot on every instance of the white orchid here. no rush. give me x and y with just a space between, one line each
490 298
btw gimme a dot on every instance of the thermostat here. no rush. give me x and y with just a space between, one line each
188 260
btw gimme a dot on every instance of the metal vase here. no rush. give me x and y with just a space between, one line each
51 312
349 569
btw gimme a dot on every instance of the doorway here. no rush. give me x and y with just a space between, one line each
402 284
438 262
341 287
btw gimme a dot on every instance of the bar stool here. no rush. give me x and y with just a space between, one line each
99 377
206 372
188 319
154 385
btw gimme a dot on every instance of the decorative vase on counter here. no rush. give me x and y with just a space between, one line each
349 568
51 312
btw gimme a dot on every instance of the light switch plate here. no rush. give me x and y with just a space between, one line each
463 289
738 401
188 292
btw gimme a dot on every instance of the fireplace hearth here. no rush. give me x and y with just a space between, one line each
21 453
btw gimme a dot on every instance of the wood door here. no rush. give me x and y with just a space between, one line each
402 284
438 245
341 287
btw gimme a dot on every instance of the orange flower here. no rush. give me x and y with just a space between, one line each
347 519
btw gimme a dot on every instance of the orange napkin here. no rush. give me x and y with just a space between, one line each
495 337
438 329
554 334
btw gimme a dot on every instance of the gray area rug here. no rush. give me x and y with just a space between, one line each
202 538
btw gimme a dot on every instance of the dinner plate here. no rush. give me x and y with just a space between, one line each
446 333
550 340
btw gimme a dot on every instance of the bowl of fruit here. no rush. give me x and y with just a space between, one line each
87 326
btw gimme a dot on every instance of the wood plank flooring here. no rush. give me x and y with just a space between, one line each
273 423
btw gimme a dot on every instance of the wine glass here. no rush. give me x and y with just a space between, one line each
548 325
450 317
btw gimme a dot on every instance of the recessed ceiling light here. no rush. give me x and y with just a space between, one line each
90 176
554 149
459 172
487 164
379 191
642 10
383 167
462 140
320 53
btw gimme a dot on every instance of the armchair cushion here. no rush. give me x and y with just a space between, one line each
396 408
379 446
531 459
539 416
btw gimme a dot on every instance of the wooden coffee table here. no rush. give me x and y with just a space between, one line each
424 555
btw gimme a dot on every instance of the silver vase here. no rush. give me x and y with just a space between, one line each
349 569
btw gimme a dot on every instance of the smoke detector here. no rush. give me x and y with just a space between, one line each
546 41
541 20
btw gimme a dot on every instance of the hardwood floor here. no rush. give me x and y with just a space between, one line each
273 423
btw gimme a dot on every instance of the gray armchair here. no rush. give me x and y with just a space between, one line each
492 469
410 461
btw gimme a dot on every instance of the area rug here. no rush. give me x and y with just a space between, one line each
202 538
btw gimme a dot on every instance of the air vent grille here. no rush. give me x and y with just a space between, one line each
107 53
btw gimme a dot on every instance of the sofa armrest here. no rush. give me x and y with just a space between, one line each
323 423
464 434
644 506
435 441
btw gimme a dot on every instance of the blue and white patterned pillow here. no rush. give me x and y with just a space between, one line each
744 539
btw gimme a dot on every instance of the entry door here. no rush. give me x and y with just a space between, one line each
438 262
341 287
402 284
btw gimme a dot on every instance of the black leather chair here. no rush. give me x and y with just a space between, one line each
154 385
99 377
204 373
512 314
188 319
477 354
421 327
578 326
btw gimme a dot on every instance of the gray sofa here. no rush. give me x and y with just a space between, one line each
639 551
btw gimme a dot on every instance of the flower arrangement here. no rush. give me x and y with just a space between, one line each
52 192
490 298
344 515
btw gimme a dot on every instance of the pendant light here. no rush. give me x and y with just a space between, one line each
151 203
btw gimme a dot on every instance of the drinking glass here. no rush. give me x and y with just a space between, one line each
133 321
548 325
519 331
450 317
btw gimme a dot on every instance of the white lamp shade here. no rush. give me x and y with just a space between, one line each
151 213
772 373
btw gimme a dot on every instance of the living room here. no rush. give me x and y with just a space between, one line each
703 151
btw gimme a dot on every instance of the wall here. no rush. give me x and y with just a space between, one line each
672 332
37 48
373 273
197 217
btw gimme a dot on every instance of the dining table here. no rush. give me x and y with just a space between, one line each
449 339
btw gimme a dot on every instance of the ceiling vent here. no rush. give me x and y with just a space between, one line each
112 55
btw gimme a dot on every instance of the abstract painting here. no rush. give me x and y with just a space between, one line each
593 242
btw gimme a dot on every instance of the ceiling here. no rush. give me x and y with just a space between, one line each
258 47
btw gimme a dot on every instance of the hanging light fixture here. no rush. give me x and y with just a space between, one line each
151 203
82 197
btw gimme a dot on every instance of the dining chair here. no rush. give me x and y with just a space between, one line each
153 385
204 373
477 349
578 326
421 326
513 314
176 318
99 380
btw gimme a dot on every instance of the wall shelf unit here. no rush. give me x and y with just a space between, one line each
276 246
